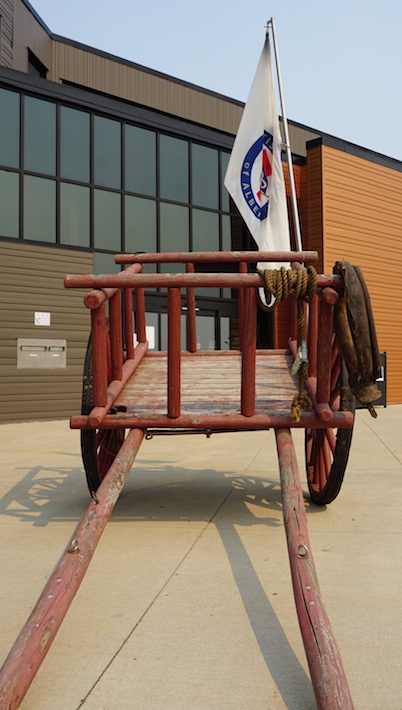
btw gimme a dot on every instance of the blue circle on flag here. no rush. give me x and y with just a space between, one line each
257 201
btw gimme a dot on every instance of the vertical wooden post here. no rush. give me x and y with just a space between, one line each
140 324
99 356
293 320
312 337
174 351
116 337
242 324
248 351
128 322
191 317
324 347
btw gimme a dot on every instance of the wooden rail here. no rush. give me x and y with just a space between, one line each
113 344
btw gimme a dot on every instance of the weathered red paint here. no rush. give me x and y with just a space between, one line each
248 326
308 420
262 403
217 353
180 257
324 348
173 374
325 664
329 295
36 637
140 324
312 336
98 413
182 280
99 356
322 409
242 269
116 336
191 315
128 322
95 298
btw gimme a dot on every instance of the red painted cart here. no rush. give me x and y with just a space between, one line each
130 391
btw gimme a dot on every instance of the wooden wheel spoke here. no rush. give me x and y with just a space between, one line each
322 468
99 447
327 450
331 439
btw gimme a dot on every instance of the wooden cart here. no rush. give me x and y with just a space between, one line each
130 391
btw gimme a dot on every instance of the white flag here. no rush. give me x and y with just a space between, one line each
254 176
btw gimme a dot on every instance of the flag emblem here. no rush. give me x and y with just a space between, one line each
255 175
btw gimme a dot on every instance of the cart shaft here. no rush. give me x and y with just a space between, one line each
37 635
323 657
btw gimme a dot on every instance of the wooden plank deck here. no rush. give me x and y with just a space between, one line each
210 384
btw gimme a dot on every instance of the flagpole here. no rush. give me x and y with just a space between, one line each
293 198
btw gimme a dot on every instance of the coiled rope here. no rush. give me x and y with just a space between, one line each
301 284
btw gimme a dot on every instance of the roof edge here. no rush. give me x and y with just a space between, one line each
146 70
356 150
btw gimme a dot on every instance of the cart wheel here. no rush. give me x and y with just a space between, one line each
327 450
98 446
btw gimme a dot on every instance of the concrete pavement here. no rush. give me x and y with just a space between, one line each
188 601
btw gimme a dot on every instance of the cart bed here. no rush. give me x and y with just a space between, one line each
210 384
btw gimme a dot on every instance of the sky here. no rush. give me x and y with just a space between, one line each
341 62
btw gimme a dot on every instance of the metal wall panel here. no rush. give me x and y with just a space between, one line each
29 33
31 279
7 30
120 79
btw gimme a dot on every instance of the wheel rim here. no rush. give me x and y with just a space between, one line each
99 447
327 450
320 451
108 443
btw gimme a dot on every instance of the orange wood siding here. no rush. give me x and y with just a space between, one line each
314 209
362 223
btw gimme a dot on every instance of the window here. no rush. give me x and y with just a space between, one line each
140 228
74 144
74 214
107 152
140 160
225 195
205 231
40 136
99 182
35 66
174 227
39 209
107 220
173 169
9 128
9 204
205 177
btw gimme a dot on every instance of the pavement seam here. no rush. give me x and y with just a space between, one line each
379 438
163 587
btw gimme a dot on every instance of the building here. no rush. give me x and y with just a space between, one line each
100 155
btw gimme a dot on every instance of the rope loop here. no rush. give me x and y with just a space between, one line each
280 283
302 285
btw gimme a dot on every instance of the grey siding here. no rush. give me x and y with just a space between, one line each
31 279
6 32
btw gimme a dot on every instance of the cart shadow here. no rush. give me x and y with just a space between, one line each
228 501
46 495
